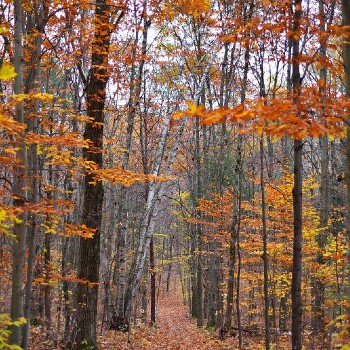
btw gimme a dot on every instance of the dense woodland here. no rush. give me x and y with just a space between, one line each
191 147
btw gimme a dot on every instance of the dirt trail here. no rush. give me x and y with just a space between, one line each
177 331
174 331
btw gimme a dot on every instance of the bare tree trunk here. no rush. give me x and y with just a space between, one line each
265 253
153 282
239 265
19 186
297 310
32 82
318 286
168 278
346 59
230 278
198 182
193 278
47 288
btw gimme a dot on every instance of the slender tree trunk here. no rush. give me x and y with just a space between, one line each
200 311
153 281
31 84
265 253
297 311
47 287
193 269
346 59
230 278
239 266
65 287
47 263
168 278
19 186
318 287
199 272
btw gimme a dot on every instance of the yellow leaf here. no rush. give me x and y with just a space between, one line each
7 72
193 109
3 30
177 115
3 214
44 96
20 97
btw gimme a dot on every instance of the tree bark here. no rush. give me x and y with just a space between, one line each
230 278
265 252
32 84
346 60
297 311
153 282
18 188
88 269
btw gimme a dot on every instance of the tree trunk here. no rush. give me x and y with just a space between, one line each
153 282
230 278
168 277
297 311
18 188
32 84
88 269
265 253
346 59
193 279
47 287
318 287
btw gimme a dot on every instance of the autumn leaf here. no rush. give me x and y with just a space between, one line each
193 109
3 30
7 72
321 83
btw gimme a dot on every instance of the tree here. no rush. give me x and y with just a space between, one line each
18 189
88 270
297 312
346 59
261 92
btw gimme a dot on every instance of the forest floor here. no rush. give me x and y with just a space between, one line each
174 330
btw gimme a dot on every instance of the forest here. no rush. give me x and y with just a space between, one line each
175 174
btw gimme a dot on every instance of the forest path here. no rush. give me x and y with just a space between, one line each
175 330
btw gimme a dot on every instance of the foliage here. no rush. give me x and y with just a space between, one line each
222 70
5 322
